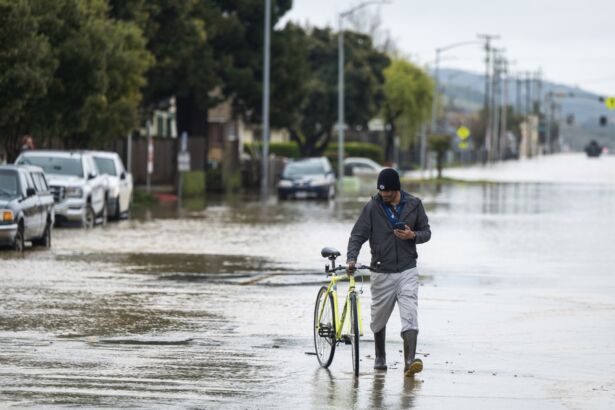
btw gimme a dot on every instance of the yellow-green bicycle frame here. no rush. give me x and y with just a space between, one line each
341 319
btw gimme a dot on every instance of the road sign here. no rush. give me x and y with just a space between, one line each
610 103
183 161
463 132
463 145
184 142
150 155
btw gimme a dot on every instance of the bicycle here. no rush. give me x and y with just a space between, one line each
328 324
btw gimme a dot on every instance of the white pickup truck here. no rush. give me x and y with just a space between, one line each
79 189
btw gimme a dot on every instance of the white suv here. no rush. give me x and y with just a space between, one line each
119 183
77 186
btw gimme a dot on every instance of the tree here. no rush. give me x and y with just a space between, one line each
87 68
440 144
408 92
315 117
210 51
26 69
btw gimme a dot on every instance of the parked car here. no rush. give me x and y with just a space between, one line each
77 187
119 183
354 166
26 207
593 149
307 177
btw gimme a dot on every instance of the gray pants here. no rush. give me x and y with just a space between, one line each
388 288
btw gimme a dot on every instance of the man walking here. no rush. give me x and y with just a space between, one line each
394 222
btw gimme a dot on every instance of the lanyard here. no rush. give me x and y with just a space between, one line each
393 214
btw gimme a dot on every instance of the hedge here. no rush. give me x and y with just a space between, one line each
357 149
193 183
280 149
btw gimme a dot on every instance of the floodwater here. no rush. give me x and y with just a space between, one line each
211 306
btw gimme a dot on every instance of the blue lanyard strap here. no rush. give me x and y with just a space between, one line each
393 216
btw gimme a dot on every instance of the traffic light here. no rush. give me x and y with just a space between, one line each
603 121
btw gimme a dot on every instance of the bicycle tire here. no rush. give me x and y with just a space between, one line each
324 346
354 333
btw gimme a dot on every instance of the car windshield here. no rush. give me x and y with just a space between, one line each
105 165
8 183
55 165
296 169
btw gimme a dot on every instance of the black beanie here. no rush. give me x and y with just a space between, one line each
388 180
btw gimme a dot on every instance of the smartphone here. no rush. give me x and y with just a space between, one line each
401 226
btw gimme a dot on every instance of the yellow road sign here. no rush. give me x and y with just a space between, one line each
610 103
463 145
463 132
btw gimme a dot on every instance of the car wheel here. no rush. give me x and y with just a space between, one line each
118 212
282 197
88 217
104 214
18 243
45 240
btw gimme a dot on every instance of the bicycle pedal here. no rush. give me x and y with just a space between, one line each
325 331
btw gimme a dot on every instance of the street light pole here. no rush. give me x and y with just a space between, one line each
266 64
434 100
340 104
340 88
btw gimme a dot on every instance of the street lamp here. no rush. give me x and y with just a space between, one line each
266 77
434 101
340 87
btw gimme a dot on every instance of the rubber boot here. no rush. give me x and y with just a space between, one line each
381 358
412 365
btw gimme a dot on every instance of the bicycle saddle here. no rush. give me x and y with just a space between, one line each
330 253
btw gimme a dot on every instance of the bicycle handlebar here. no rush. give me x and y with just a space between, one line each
344 267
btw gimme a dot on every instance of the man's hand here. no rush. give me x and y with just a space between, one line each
405 234
351 267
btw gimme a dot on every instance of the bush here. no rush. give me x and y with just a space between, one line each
357 149
214 180
280 149
193 183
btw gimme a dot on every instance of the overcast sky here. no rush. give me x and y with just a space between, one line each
571 41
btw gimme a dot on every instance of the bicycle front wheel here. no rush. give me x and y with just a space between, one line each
354 333
324 327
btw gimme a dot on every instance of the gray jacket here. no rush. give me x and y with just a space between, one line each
389 253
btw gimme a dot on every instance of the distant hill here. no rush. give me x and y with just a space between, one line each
465 90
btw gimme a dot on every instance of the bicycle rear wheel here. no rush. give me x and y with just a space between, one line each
354 333
324 331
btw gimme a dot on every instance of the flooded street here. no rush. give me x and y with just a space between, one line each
211 305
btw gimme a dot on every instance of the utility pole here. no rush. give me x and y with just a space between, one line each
496 103
487 39
549 114
266 66
518 94
538 96
504 124
528 94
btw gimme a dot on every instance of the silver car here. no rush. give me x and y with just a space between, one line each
119 183
26 207
78 188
